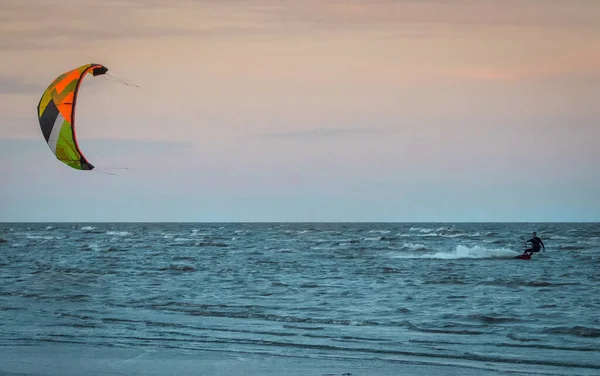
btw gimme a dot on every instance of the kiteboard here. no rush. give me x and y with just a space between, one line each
524 256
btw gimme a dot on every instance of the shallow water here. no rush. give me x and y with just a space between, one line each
438 293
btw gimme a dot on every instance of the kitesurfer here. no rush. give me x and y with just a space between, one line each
535 244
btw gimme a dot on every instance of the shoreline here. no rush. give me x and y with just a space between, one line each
71 360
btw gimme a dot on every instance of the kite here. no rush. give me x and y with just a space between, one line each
56 114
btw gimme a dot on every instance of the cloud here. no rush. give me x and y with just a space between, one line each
323 133
579 62
26 24
32 24
463 13
13 147
16 85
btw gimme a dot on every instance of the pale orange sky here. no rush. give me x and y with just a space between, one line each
320 96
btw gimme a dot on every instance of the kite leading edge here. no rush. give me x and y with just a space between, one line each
56 114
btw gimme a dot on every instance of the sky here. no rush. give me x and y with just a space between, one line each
312 110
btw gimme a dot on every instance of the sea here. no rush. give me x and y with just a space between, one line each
430 293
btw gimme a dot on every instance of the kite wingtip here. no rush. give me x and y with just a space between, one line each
99 70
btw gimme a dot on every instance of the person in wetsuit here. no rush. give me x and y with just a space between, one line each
535 244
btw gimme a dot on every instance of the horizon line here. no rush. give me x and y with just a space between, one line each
304 222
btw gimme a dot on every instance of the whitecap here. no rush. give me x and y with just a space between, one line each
414 247
40 237
462 252
118 233
379 231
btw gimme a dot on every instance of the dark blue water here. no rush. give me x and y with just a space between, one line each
440 293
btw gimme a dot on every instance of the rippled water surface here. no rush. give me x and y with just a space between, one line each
439 293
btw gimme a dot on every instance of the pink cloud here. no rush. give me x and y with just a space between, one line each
578 62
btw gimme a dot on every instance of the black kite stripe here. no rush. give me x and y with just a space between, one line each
48 119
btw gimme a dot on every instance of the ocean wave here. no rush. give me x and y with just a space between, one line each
571 248
373 239
440 231
262 343
442 234
286 250
497 242
91 230
212 244
428 234
114 249
593 240
178 268
300 327
489 319
348 241
118 233
479 234
100 248
379 231
421 229
184 258
521 339
413 247
43 237
465 252
578 331
446 331
521 282
387 269
246 312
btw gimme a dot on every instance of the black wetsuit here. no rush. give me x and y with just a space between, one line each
535 245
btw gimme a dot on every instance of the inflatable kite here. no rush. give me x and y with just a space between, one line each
56 114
